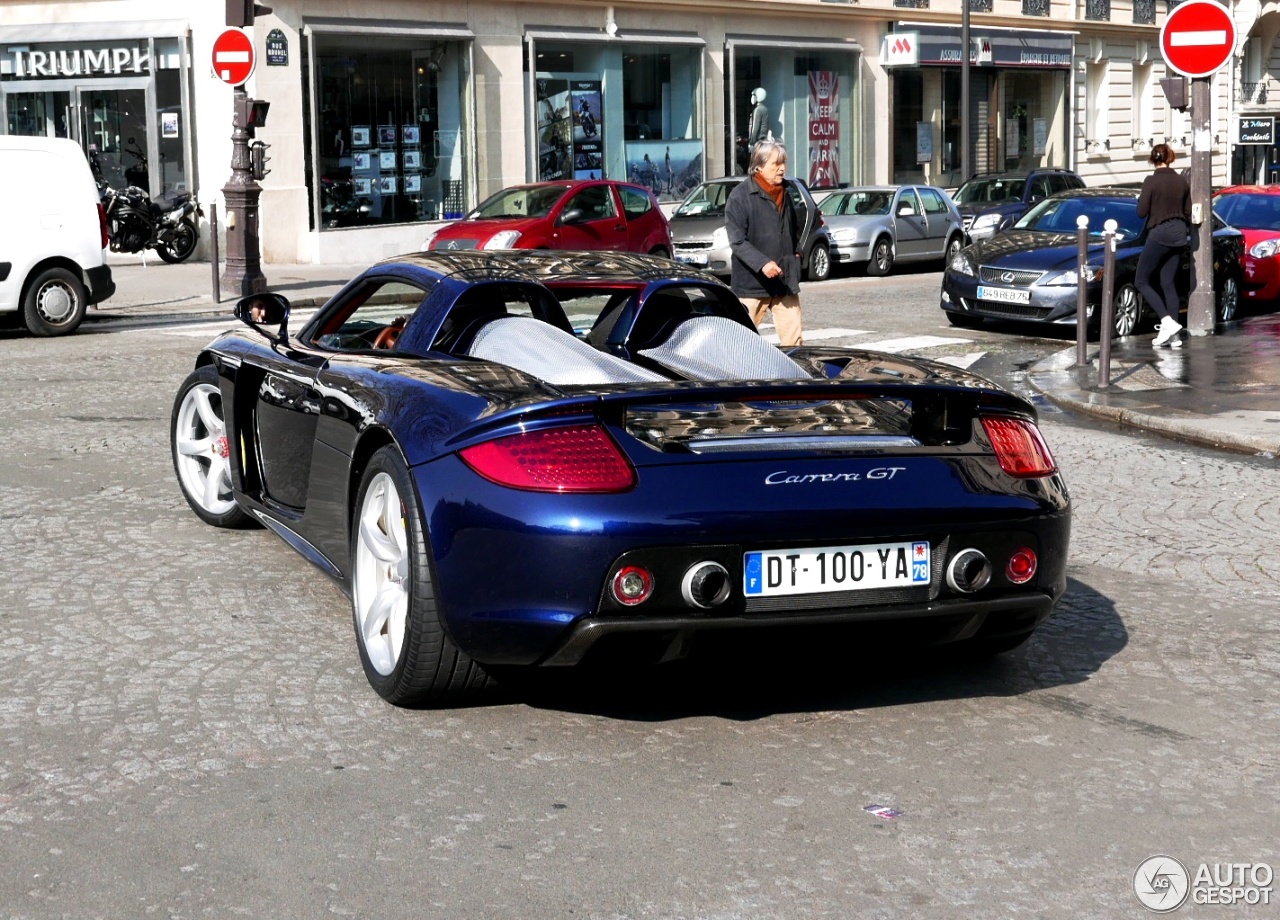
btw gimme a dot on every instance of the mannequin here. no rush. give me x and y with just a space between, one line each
759 118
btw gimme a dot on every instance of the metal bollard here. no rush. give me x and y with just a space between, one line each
1082 295
213 251
1108 302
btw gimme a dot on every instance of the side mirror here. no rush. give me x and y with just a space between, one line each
261 312
573 216
906 210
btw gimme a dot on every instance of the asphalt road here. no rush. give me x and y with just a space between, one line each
185 731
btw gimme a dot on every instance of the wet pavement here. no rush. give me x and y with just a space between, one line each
1221 390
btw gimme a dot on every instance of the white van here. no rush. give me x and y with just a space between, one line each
52 234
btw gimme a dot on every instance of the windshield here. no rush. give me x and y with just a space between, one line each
865 202
990 191
708 198
524 201
1058 215
1256 212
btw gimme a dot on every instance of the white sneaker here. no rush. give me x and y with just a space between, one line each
1168 331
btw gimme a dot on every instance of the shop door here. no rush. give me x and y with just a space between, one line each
113 122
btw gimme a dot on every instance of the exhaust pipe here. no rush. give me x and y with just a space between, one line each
969 571
705 585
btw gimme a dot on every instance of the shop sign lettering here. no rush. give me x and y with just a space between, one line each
1256 130
78 62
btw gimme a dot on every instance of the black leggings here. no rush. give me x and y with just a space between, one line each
1162 254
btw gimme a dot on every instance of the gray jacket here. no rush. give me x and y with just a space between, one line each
759 234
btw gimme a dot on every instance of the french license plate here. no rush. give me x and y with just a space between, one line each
1004 295
823 569
692 258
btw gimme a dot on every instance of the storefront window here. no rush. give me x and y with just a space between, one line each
619 112
390 120
803 98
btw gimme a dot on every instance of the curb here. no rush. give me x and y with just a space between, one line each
1053 377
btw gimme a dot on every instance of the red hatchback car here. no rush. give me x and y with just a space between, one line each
595 214
1255 211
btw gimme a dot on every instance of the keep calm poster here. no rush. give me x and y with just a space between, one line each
824 129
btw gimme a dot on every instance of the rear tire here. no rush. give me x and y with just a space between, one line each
183 243
54 304
407 656
1128 310
660 252
1228 304
881 261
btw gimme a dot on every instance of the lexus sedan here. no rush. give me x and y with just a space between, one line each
590 214
877 226
1030 273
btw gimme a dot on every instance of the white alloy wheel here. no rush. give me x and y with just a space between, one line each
201 450
380 580
1127 310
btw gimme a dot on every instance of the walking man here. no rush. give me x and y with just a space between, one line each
764 234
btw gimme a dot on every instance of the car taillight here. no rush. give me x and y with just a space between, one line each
102 225
1019 447
580 459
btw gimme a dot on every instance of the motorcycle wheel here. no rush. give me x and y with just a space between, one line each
181 245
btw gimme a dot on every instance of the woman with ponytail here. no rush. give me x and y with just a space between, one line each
1165 203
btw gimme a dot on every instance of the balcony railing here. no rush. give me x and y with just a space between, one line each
1097 10
912 4
1144 12
1035 7
1253 93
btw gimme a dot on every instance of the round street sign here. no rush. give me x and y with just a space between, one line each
1198 37
233 57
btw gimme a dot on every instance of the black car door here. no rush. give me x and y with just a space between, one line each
288 401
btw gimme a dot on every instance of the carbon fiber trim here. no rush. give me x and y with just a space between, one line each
717 348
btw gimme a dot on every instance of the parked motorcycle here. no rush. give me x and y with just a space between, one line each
135 222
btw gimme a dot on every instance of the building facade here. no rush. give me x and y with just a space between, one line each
388 116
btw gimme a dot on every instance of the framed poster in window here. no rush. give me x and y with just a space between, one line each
387 185
387 160
361 161
361 186
410 135
359 135
412 159
412 185
386 135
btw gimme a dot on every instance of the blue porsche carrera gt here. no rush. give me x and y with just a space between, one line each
507 457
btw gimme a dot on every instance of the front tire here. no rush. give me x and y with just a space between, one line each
201 450
1229 300
54 304
407 656
881 261
1128 310
180 246
819 262
660 252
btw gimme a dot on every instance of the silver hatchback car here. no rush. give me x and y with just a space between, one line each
880 225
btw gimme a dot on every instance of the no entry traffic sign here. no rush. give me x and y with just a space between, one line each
1197 38
233 57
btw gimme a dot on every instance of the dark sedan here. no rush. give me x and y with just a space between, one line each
1029 273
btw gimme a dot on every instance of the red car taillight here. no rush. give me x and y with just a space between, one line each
102 225
1019 447
580 459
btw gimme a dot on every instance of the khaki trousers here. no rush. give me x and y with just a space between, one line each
786 316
